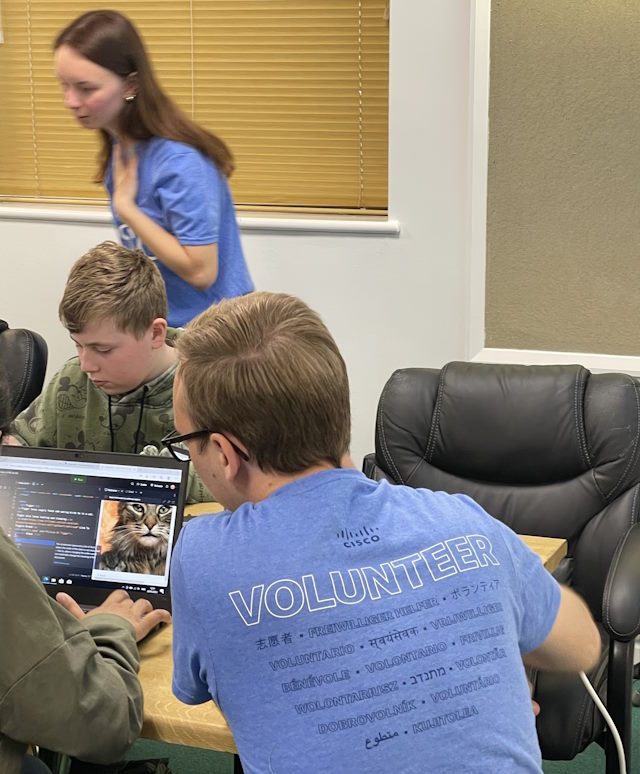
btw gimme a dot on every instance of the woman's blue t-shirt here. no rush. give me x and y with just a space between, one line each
182 190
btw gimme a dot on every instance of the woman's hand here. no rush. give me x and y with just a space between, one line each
125 180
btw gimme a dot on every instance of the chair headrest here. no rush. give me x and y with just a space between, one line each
512 424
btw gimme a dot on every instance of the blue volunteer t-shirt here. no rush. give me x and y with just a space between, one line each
183 191
347 625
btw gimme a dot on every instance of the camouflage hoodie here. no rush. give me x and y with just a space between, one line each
65 684
72 413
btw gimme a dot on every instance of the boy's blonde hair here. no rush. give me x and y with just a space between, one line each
112 282
264 368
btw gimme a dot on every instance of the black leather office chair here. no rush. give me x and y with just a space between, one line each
23 355
548 450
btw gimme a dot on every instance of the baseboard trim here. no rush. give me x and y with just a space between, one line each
594 362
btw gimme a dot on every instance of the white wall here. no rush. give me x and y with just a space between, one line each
391 302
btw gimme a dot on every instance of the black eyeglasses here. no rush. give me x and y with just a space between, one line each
182 452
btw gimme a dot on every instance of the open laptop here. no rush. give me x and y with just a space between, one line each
93 522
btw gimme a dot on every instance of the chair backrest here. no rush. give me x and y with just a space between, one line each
549 450
23 354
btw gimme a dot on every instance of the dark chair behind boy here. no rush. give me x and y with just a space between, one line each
23 354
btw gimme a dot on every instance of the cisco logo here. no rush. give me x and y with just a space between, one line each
352 538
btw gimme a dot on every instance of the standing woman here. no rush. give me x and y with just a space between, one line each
165 175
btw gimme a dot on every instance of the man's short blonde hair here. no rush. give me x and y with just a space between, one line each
112 282
264 368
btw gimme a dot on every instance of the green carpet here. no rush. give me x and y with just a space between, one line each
189 760
184 760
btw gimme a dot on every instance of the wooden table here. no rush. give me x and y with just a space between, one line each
551 550
169 720
166 718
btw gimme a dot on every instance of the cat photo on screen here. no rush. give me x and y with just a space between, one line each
134 537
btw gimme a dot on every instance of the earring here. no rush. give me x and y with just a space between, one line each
130 98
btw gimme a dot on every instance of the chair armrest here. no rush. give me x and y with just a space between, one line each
371 469
621 598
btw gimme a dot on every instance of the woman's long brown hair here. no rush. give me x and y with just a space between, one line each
110 40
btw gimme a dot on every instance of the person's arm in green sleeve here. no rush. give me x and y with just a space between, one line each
197 492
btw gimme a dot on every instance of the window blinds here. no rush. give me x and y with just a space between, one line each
297 88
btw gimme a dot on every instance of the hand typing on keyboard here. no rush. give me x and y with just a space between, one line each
140 614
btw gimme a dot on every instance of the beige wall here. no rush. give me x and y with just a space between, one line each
563 223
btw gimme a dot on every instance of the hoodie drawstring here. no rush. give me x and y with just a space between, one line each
111 435
145 390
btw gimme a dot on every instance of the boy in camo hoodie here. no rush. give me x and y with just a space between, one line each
116 394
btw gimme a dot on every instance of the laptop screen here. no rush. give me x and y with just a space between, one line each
92 522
